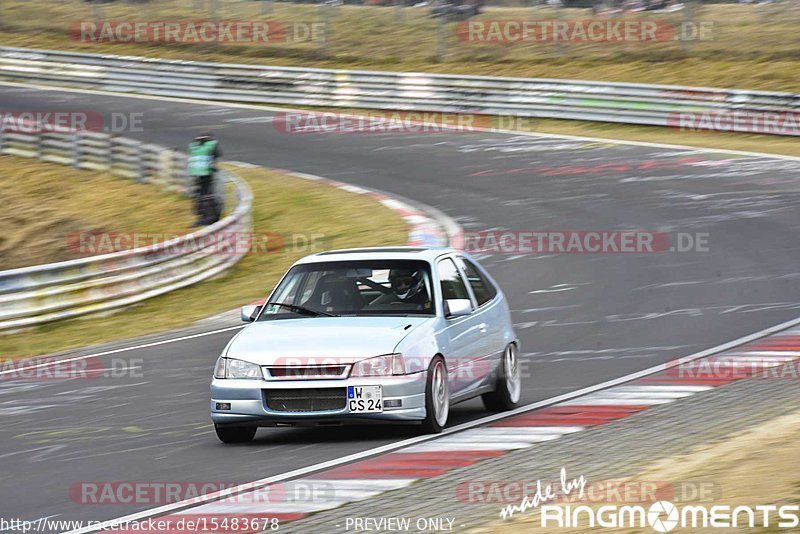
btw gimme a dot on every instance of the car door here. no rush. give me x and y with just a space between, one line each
462 334
490 317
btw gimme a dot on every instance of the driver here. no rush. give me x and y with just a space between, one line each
408 287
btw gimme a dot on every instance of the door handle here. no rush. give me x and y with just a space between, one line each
482 327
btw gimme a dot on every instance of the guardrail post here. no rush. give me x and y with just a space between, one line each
688 25
37 144
178 175
97 11
534 9
441 38
559 17
170 170
326 24
162 162
76 149
110 153
398 11
140 155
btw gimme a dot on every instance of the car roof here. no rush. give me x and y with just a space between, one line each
378 253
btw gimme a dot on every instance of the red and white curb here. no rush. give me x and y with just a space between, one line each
427 227
397 469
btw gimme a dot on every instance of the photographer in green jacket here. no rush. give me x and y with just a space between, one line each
203 154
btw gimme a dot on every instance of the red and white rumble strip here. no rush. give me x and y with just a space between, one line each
761 358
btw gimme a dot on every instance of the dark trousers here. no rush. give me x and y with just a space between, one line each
206 207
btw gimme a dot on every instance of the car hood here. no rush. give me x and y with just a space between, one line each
344 339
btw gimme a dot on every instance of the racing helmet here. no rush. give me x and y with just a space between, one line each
406 283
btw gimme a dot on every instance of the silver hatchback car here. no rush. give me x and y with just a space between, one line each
364 335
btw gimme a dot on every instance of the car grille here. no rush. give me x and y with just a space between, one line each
309 372
306 400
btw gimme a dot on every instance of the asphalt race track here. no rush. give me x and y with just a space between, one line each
582 318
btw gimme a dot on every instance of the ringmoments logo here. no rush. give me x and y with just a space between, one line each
664 516
660 516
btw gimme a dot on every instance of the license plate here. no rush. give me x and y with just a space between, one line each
365 399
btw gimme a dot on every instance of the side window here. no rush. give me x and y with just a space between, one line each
452 284
483 288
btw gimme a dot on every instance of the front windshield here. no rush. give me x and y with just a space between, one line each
368 287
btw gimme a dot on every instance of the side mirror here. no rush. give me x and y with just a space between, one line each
249 313
457 308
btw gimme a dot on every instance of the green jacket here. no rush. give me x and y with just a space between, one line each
201 157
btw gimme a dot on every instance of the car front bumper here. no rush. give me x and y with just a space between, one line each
248 406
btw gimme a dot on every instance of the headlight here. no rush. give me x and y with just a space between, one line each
230 368
388 365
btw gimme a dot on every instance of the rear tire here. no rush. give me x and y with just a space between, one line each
235 434
508 387
437 397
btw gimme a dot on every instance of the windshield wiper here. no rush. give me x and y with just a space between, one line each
300 309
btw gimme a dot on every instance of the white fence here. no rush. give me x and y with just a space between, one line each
43 293
661 105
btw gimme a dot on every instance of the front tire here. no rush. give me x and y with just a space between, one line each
437 397
508 387
235 434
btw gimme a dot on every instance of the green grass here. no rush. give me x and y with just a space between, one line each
753 47
53 203
283 205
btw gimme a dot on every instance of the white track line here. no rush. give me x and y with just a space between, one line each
466 446
54 360
777 355
492 432
428 440
274 508
661 389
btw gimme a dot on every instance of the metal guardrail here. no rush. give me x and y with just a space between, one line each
44 293
627 103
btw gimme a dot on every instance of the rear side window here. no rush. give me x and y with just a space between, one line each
452 284
481 286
